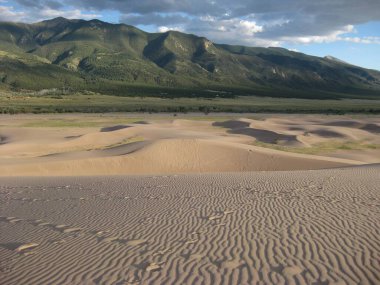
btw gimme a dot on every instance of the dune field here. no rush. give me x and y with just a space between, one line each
190 199
117 144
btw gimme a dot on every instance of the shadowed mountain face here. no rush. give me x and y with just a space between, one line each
99 56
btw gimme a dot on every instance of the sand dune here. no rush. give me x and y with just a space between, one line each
245 127
3 139
267 136
302 133
113 128
179 145
105 152
327 133
176 156
292 227
232 124
370 127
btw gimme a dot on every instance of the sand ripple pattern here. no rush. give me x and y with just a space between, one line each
304 227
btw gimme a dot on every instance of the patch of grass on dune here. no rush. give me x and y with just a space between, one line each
320 148
61 124
65 123
210 118
222 118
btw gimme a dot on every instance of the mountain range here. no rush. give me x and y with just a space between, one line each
122 59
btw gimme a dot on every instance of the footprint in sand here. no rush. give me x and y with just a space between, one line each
58 241
290 271
7 219
136 242
26 247
43 224
220 216
191 241
71 230
109 239
99 234
154 267
195 256
162 252
198 232
15 221
230 263
215 217
61 226
11 220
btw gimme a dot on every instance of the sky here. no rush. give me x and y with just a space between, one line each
346 29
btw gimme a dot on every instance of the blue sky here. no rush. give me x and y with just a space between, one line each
346 29
362 54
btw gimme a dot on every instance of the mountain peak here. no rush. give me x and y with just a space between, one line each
329 57
57 20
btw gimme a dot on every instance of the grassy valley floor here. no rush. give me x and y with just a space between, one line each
29 102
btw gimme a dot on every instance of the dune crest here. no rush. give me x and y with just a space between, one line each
180 156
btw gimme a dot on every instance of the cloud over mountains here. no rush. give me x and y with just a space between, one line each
252 22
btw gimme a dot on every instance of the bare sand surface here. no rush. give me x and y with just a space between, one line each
221 199
289 227
79 144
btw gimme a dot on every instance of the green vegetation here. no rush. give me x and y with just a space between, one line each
77 56
72 123
322 148
15 102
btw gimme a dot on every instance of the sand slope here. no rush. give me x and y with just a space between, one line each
177 156
291 227
179 145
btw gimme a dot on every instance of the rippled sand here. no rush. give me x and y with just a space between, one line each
290 227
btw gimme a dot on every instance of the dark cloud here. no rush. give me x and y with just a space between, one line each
155 19
195 7
30 3
54 5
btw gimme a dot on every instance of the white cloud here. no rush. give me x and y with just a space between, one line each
7 13
234 25
207 18
247 22
335 36
234 30
164 29
70 14
363 40
248 27
328 38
